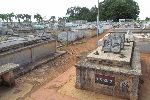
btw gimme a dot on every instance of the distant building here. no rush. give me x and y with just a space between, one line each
126 20
79 21
122 20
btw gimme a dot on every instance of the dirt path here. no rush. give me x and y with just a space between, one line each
144 93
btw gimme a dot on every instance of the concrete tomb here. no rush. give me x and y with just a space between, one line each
113 68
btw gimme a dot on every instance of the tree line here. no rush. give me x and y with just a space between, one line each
108 9
8 17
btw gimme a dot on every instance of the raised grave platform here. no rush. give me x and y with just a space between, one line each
122 59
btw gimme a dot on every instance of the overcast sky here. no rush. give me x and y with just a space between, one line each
57 7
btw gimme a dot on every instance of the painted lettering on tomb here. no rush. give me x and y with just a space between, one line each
106 80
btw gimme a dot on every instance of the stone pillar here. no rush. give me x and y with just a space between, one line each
8 79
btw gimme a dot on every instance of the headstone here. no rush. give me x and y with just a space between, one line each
113 43
9 32
116 44
129 36
107 45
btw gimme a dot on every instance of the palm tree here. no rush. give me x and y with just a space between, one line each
2 17
65 19
61 22
6 18
27 17
10 16
38 18
19 17
52 19
22 17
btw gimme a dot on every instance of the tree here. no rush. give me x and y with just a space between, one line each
52 19
19 17
38 18
147 19
27 17
118 9
3 17
60 20
73 13
78 13
10 16
84 14
93 14
66 19
108 9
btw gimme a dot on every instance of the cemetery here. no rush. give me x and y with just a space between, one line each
32 54
112 68
74 50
